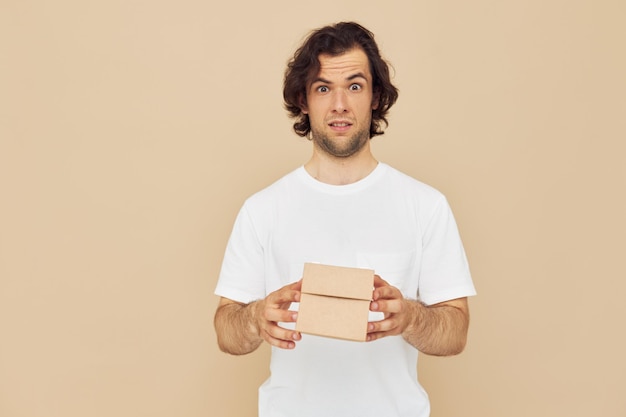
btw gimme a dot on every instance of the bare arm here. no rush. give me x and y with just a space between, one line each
237 332
241 328
439 329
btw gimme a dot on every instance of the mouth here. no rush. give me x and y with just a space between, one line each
339 125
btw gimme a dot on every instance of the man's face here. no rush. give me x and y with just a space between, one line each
339 103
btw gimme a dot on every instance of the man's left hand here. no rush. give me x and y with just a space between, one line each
398 311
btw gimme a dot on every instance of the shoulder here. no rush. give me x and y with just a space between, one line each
273 193
410 185
423 200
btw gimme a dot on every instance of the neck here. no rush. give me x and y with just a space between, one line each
341 171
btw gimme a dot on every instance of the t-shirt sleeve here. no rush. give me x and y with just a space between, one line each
241 276
444 272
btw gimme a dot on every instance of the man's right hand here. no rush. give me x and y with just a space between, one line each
267 313
241 328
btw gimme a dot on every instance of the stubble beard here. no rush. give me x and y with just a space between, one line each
341 147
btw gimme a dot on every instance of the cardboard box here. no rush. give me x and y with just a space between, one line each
335 301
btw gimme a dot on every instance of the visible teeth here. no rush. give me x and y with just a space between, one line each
340 124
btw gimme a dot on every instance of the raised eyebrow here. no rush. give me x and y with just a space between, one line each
320 80
350 78
357 75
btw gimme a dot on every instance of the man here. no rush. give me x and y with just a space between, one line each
344 208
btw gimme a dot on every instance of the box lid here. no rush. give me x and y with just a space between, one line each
338 281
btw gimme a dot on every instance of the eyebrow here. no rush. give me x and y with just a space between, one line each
350 78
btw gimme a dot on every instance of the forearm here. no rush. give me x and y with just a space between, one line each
236 328
439 330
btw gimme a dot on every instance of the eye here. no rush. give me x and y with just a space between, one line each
322 89
355 87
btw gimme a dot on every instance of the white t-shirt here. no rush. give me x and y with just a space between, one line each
389 222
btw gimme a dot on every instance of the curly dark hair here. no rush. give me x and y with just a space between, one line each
335 40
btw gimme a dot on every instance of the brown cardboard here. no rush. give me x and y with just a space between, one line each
335 301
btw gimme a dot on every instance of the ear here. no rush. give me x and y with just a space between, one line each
375 100
302 103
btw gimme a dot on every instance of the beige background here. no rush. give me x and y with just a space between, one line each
132 131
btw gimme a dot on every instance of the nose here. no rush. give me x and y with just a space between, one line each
340 102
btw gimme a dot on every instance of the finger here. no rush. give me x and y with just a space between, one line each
379 282
284 296
278 314
389 326
283 344
382 289
377 335
393 305
388 292
297 286
281 337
